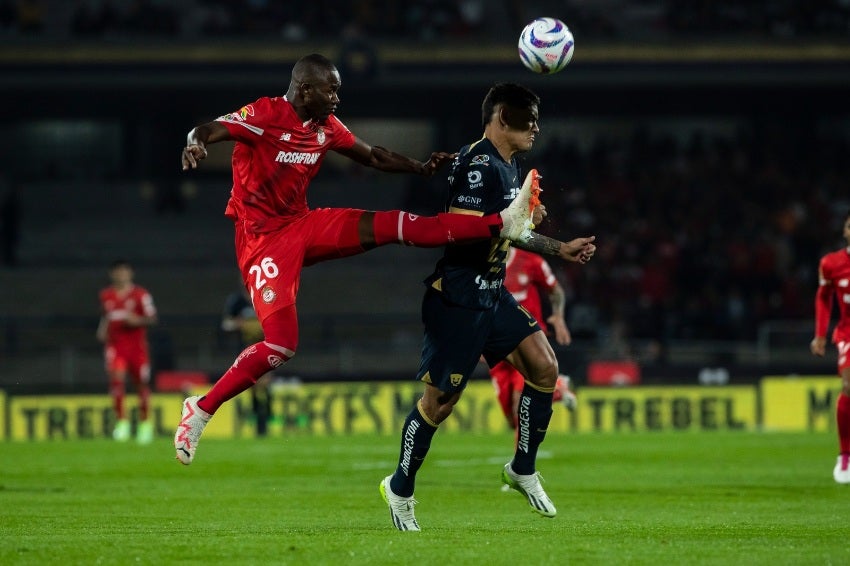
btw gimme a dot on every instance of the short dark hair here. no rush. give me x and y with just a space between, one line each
121 262
310 66
510 94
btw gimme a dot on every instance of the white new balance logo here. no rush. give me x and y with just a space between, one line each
285 136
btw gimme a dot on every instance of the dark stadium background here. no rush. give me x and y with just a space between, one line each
705 144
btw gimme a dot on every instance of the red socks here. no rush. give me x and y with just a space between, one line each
397 226
254 361
280 327
116 391
842 419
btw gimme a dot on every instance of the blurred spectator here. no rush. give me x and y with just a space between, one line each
10 226
704 238
429 20
30 16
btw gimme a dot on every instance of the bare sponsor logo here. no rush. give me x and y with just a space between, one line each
407 450
297 157
513 194
484 284
524 424
474 178
465 199
245 353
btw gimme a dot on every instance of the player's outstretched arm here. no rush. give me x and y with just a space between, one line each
579 250
197 141
384 159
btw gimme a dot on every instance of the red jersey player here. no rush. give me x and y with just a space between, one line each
526 274
834 280
127 310
280 144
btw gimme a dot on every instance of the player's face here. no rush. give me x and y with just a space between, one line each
321 96
522 126
121 275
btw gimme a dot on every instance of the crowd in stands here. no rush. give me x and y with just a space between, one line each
703 239
422 19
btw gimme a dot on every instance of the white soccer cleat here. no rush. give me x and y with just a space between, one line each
530 487
121 432
568 398
192 423
841 473
517 221
401 508
144 432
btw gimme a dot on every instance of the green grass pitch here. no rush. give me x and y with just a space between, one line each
656 498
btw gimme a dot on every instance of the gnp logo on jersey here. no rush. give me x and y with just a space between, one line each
466 199
480 159
268 295
474 178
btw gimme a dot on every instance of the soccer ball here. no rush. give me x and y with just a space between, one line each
546 45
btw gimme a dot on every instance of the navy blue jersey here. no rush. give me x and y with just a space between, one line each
471 274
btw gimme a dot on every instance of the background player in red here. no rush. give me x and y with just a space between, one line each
127 310
834 279
280 145
526 274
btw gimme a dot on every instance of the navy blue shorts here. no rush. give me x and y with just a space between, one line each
456 337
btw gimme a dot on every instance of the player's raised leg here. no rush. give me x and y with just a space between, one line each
397 226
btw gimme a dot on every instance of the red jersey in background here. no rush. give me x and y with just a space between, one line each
116 305
525 275
834 282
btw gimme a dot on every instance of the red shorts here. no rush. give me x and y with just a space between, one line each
134 361
506 380
271 262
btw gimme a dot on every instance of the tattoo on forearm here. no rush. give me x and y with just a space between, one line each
541 245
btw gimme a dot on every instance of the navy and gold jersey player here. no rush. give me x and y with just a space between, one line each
465 291
468 313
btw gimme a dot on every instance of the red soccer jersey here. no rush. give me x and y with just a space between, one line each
835 282
526 273
275 157
116 306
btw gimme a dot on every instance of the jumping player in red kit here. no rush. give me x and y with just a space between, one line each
127 310
526 273
280 145
834 280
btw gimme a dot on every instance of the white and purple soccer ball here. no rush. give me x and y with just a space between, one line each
546 45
